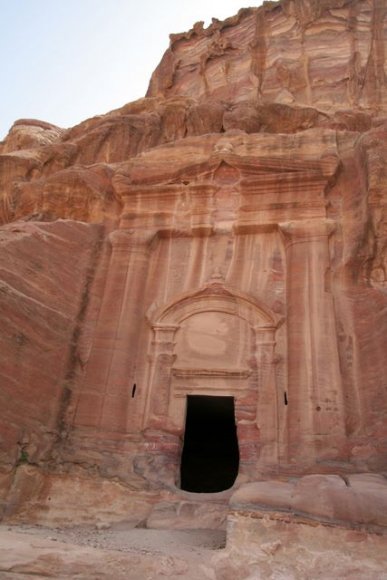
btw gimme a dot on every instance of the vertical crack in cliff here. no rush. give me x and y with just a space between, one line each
379 14
374 76
6 210
305 68
258 49
74 360
355 78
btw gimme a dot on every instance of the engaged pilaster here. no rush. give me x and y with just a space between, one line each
315 406
110 373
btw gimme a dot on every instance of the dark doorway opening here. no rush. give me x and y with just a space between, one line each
210 458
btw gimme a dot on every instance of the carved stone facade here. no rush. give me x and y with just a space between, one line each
224 237
218 284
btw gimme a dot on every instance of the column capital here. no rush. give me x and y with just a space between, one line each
299 230
131 239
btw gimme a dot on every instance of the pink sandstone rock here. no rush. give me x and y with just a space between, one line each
360 498
223 237
291 52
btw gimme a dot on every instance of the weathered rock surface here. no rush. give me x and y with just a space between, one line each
30 134
360 498
224 236
25 555
45 269
280 547
256 548
328 54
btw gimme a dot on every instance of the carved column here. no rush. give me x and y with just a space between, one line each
110 372
257 435
161 362
267 412
315 407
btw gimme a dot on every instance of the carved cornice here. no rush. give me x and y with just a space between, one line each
131 239
257 157
211 373
304 230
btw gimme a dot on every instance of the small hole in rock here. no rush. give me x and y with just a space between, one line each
134 390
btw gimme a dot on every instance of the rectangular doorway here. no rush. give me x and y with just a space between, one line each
210 457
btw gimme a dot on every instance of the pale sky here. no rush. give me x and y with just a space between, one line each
63 61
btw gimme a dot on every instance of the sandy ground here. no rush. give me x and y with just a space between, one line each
84 553
190 542
301 552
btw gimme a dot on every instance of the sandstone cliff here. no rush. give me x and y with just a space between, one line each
226 235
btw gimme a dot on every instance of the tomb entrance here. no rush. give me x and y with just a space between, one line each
214 348
210 456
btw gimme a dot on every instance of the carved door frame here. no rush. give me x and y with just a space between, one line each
255 424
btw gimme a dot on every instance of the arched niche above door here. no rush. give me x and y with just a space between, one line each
214 297
218 367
